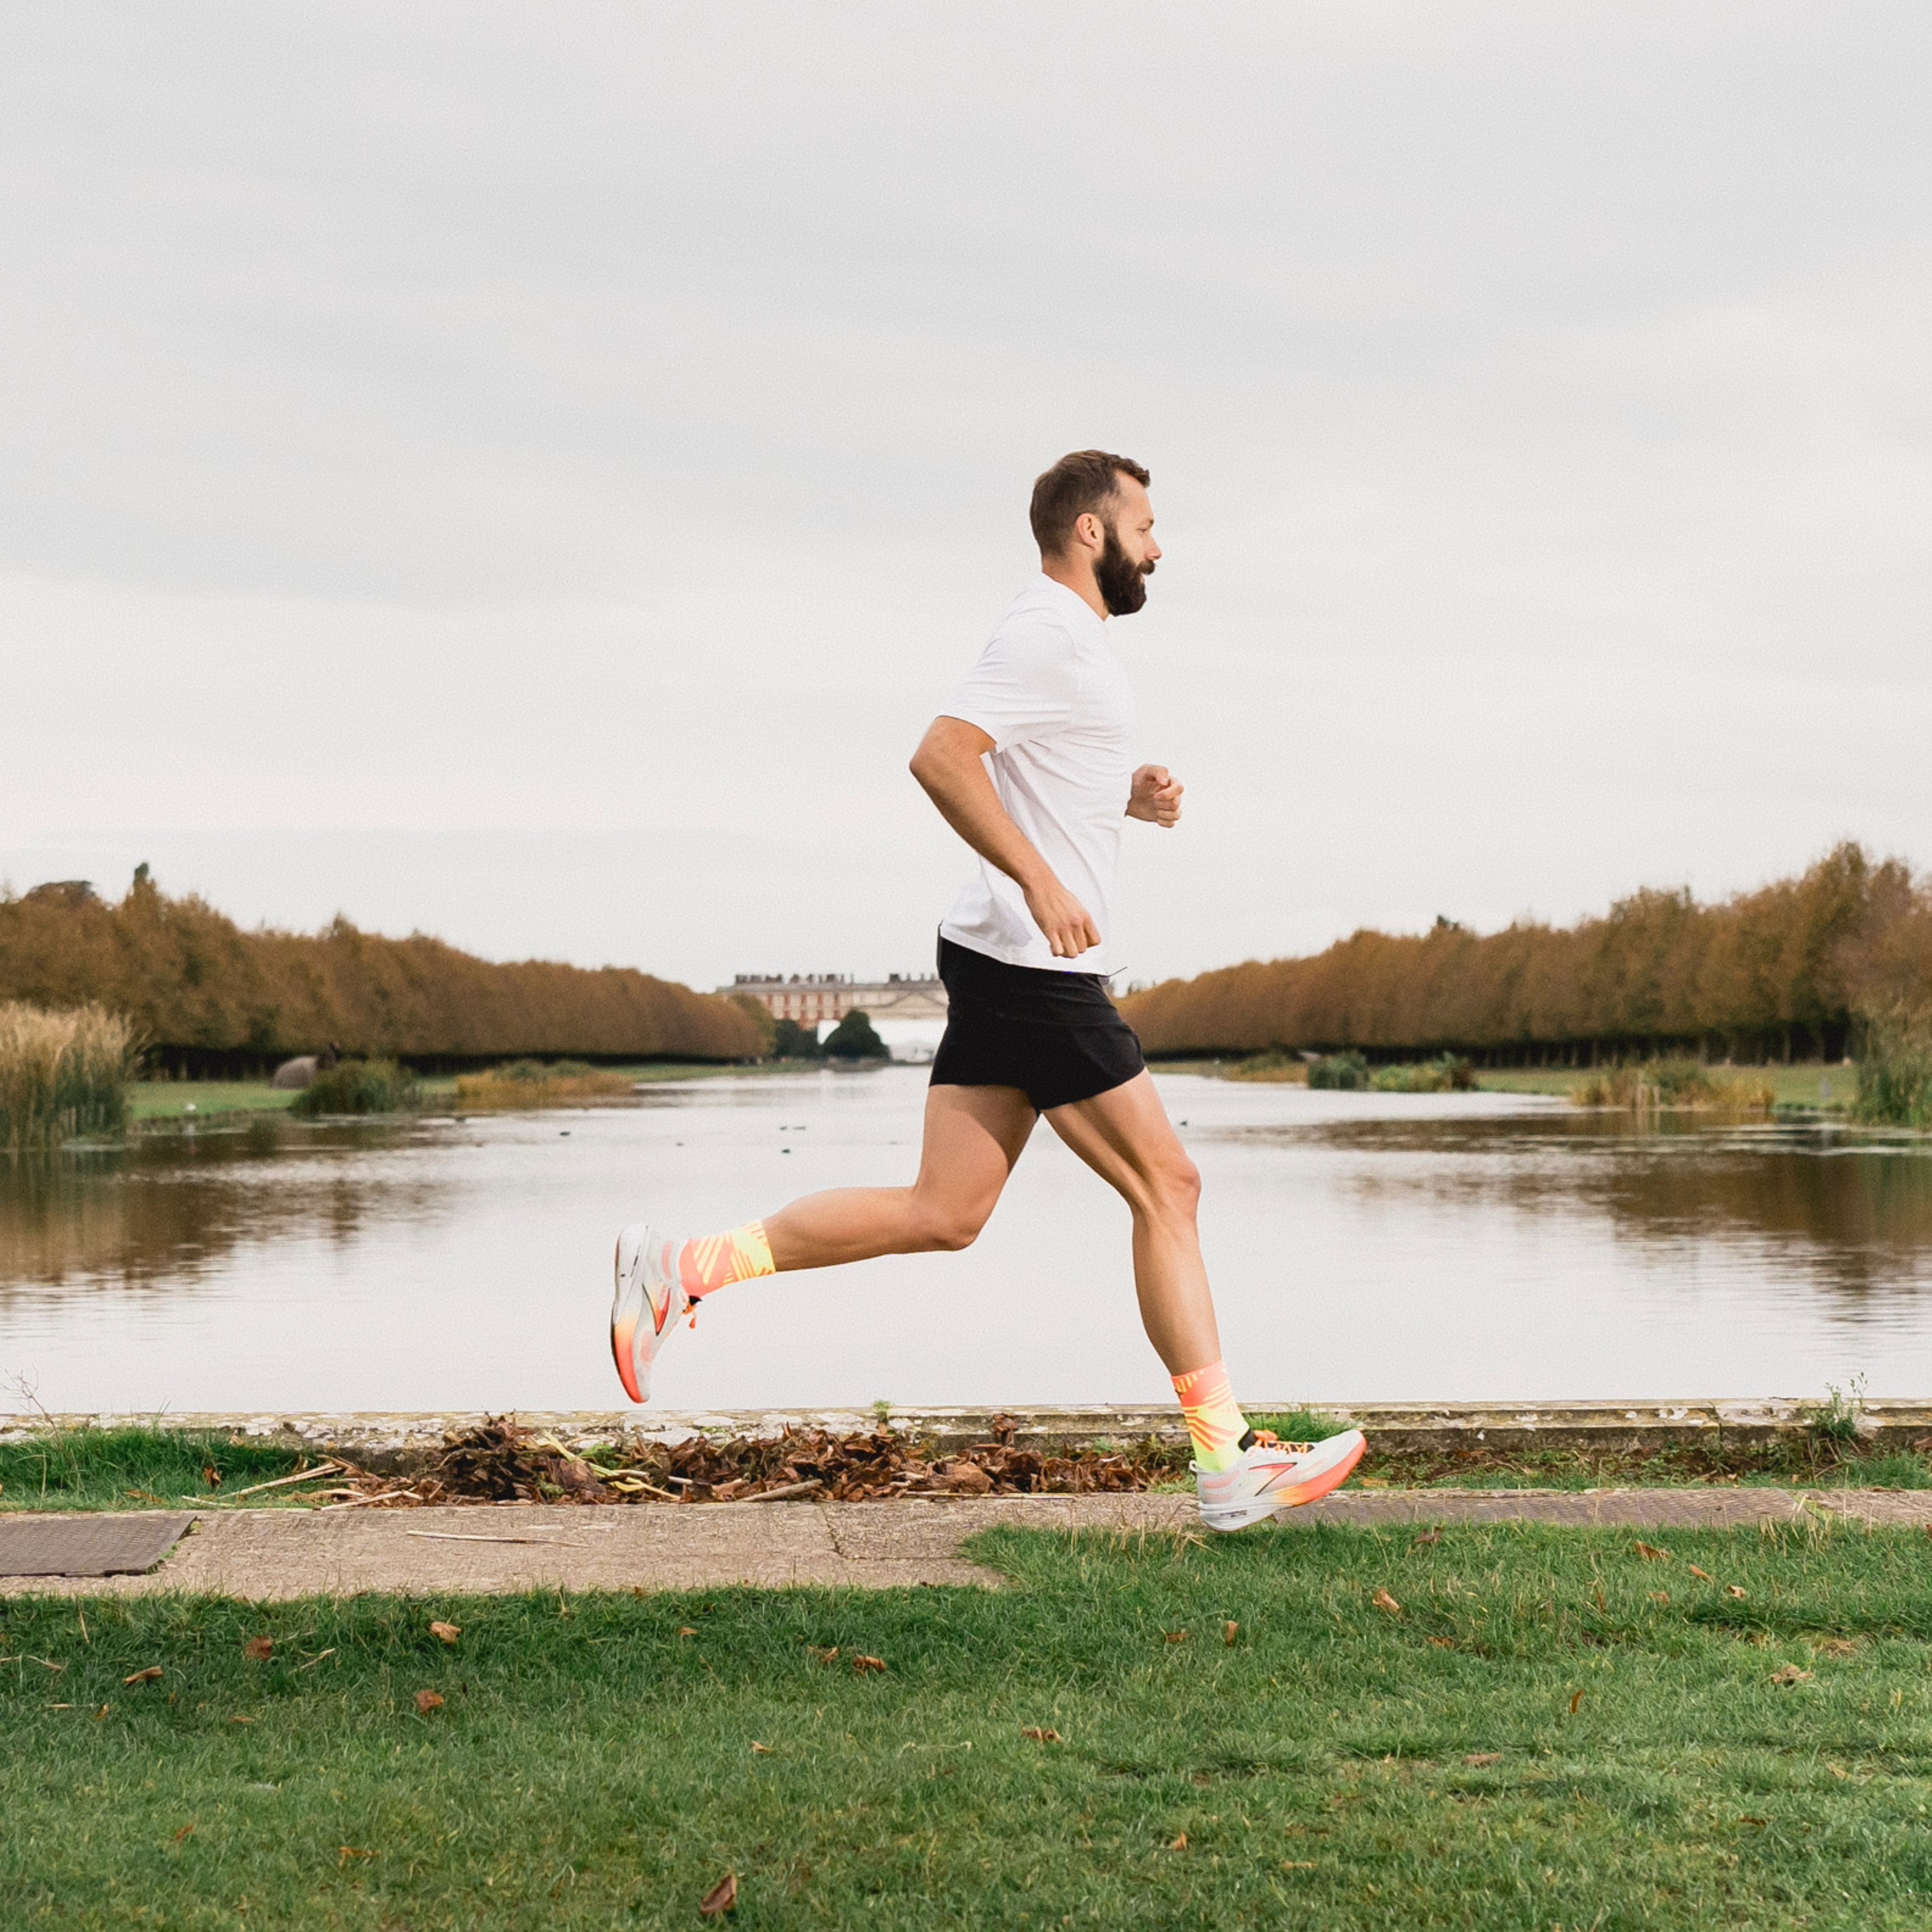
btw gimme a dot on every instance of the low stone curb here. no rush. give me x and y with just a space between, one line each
401 1443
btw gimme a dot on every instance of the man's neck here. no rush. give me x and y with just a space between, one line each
1077 574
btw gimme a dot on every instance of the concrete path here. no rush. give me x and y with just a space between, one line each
264 1554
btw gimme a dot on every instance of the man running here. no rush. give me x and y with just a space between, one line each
1029 766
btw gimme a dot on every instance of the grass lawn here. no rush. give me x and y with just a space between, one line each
162 1100
1536 1739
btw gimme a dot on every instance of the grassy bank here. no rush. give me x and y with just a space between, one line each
1802 1083
1526 1728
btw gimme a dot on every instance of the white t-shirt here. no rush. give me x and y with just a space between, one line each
1053 696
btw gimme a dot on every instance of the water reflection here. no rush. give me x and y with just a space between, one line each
1362 1245
1850 1211
169 1210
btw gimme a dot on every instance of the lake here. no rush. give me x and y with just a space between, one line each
1363 1246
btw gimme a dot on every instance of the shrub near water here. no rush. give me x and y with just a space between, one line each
1673 1083
61 1073
529 1083
1895 1071
357 1087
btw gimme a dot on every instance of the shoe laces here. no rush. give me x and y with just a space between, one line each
1266 1439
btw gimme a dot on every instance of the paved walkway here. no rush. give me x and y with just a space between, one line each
262 1554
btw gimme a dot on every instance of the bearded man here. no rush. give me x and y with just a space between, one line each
1029 764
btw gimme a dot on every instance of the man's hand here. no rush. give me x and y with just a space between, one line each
1155 796
1070 932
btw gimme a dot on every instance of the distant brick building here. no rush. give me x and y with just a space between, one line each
815 999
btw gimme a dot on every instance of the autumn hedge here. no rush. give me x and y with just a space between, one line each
1790 969
201 991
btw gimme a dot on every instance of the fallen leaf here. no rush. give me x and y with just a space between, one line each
824 1656
146 1676
1440 1642
259 1648
1230 1631
186 1831
427 1701
102 1712
1660 1596
240 1720
1041 1737
212 1476
1178 1842
861 1665
1383 1600
1422 1542
685 1630
343 1853
1175 1636
1650 1553
1702 1576
1479 1759
1734 1590
1298 1865
1749 1820
1791 1674
1836 1646
1837 1770
759 1750
446 1632
721 1898
1576 1703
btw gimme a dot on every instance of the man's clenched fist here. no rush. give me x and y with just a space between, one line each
1155 796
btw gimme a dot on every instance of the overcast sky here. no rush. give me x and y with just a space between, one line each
530 473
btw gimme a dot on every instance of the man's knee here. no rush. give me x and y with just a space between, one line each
1174 1186
947 1226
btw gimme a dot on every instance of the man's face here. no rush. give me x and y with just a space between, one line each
1128 553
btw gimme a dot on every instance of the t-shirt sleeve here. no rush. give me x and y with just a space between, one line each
1024 686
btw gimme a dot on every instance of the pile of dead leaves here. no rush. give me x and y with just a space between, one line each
502 1462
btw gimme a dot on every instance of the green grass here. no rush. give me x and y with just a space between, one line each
131 1469
592 1763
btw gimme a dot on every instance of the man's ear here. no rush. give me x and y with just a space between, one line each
1090 530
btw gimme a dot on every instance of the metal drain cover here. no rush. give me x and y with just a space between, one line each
88 1545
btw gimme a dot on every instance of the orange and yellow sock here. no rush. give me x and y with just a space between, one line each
1213 1420
713 1261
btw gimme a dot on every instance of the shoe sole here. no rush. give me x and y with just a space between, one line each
626 1312
1276 1505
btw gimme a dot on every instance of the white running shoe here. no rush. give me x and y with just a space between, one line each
649 1303
1273 1478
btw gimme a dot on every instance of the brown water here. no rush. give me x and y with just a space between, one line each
1362 1246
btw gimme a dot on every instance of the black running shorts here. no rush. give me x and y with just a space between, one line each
1056 1036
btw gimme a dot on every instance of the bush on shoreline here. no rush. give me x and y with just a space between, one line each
529 1083
1674 1083
1895 1070
357 1087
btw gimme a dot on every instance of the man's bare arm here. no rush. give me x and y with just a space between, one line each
947 766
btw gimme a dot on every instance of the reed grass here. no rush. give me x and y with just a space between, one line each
1895 1070
529 1083
62 1073
1674 1084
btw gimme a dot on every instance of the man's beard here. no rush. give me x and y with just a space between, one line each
1121 582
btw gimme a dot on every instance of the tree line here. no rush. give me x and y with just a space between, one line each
208 997
1796 969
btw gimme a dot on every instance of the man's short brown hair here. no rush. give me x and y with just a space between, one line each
1089 479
